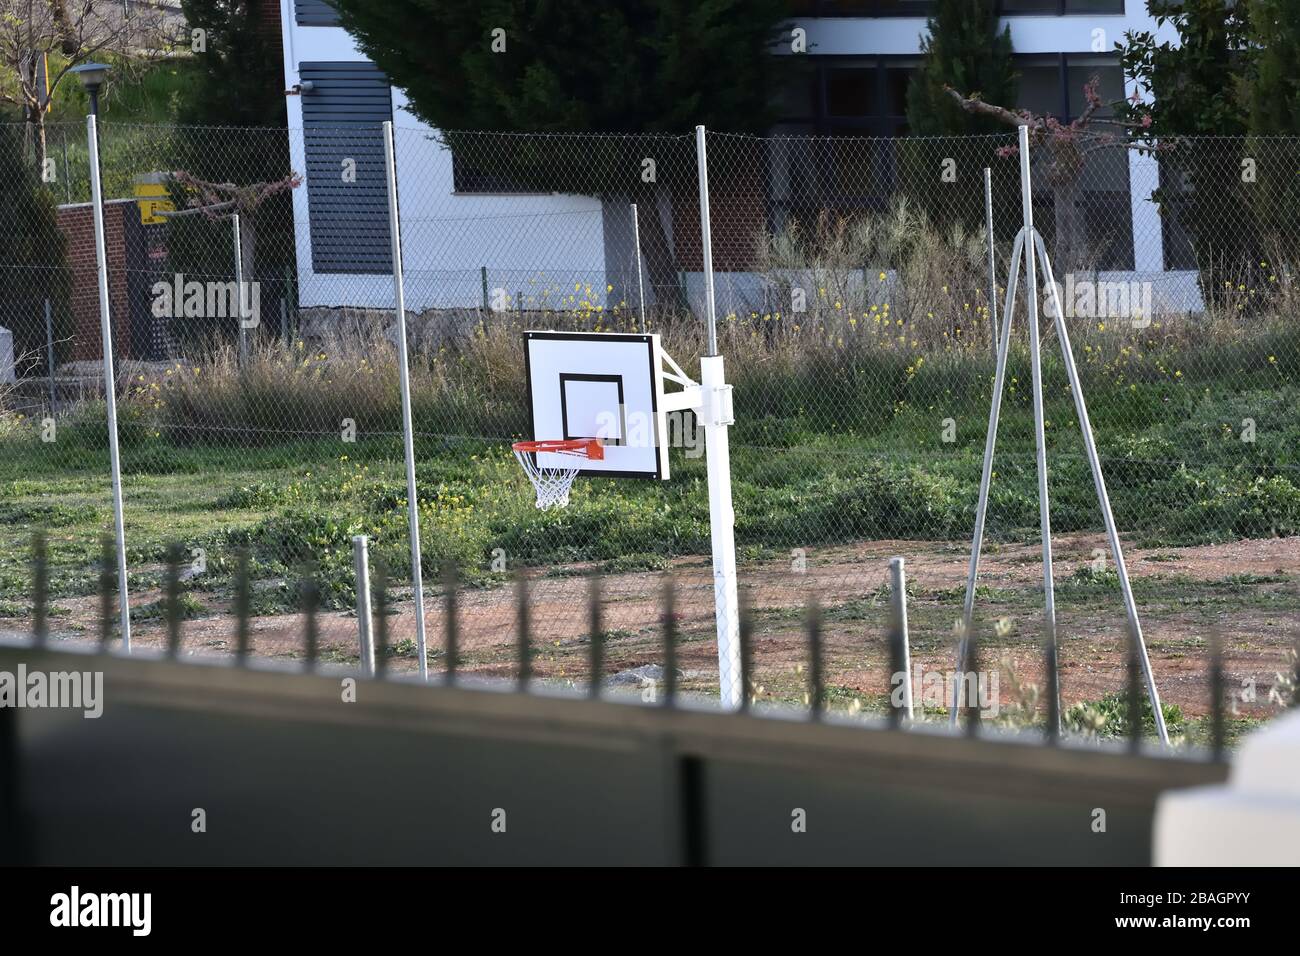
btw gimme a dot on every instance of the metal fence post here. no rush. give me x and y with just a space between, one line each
110 382
993 275
361 562
404 371
239 289
706 239
722 516
901 654
636 251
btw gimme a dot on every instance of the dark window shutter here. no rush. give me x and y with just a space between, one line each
315 13
342 117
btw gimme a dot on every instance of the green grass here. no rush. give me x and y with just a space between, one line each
828 448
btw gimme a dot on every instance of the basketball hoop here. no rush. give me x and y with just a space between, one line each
553 484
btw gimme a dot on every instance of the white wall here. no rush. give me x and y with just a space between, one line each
531 244
1081 33
1029 33
541 246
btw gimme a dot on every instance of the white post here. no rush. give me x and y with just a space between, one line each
110 382
361 565
636 250
722 518
993 273
404 372
239 289
1036 369
898 585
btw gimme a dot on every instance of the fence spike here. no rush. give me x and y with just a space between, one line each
816 692
172 601
243 605
746 652
311 633
107 567
974 720
597 632
40 589
379 580
1051 656
670 641
309 605
1133 695
451 591
1295 676
525 627
1218 734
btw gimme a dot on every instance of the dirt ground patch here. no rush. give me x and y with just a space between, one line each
1248 592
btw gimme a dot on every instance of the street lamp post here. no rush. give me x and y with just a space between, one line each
92 76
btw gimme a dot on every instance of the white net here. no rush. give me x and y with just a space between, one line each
552 484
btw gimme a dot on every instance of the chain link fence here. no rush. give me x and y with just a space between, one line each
856 313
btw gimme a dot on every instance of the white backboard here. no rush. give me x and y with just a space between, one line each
605 385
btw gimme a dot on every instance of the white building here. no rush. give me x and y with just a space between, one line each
463 242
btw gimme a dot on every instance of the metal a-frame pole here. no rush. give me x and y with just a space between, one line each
986 475
1036 372
1103 499
1031 244
404 375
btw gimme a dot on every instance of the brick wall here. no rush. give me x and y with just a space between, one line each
268 21
78 228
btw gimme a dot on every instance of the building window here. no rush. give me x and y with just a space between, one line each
1053 84
851 96
855 106
342 116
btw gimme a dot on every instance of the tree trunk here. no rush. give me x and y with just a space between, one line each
660 257
1068 254
36 140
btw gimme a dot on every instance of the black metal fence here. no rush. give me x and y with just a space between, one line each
244 760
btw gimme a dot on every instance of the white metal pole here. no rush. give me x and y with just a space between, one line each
404 372
706 239
636 249
898 584
1036 369
993 274
986 475
722 531
361 565
239 289
110 380
722 516
1103 499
